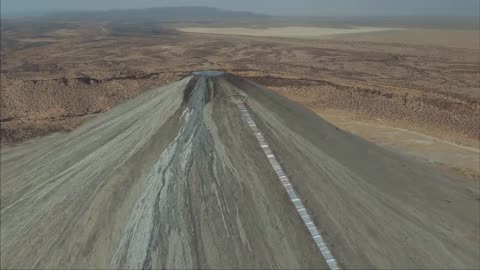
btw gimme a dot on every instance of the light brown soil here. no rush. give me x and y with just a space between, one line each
439 115
469 39
453 157
35 108
54 78
289 31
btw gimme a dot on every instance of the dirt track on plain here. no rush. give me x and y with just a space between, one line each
174 178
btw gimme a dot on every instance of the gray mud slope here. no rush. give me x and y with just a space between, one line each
175 179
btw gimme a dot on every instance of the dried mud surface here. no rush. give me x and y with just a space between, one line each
175 178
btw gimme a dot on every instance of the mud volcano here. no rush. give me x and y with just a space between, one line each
180 177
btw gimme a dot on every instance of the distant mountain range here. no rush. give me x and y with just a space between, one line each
164 14
200 15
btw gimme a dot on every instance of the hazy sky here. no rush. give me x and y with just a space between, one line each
275 7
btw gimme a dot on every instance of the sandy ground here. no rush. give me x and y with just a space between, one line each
174 178
290 31
468 39
464 159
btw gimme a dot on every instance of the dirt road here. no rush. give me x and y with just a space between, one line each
175 178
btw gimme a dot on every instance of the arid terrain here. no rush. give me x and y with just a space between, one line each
138 140
58 74
216 172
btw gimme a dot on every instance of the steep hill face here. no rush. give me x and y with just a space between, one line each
182 177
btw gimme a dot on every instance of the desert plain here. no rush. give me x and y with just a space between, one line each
411 89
